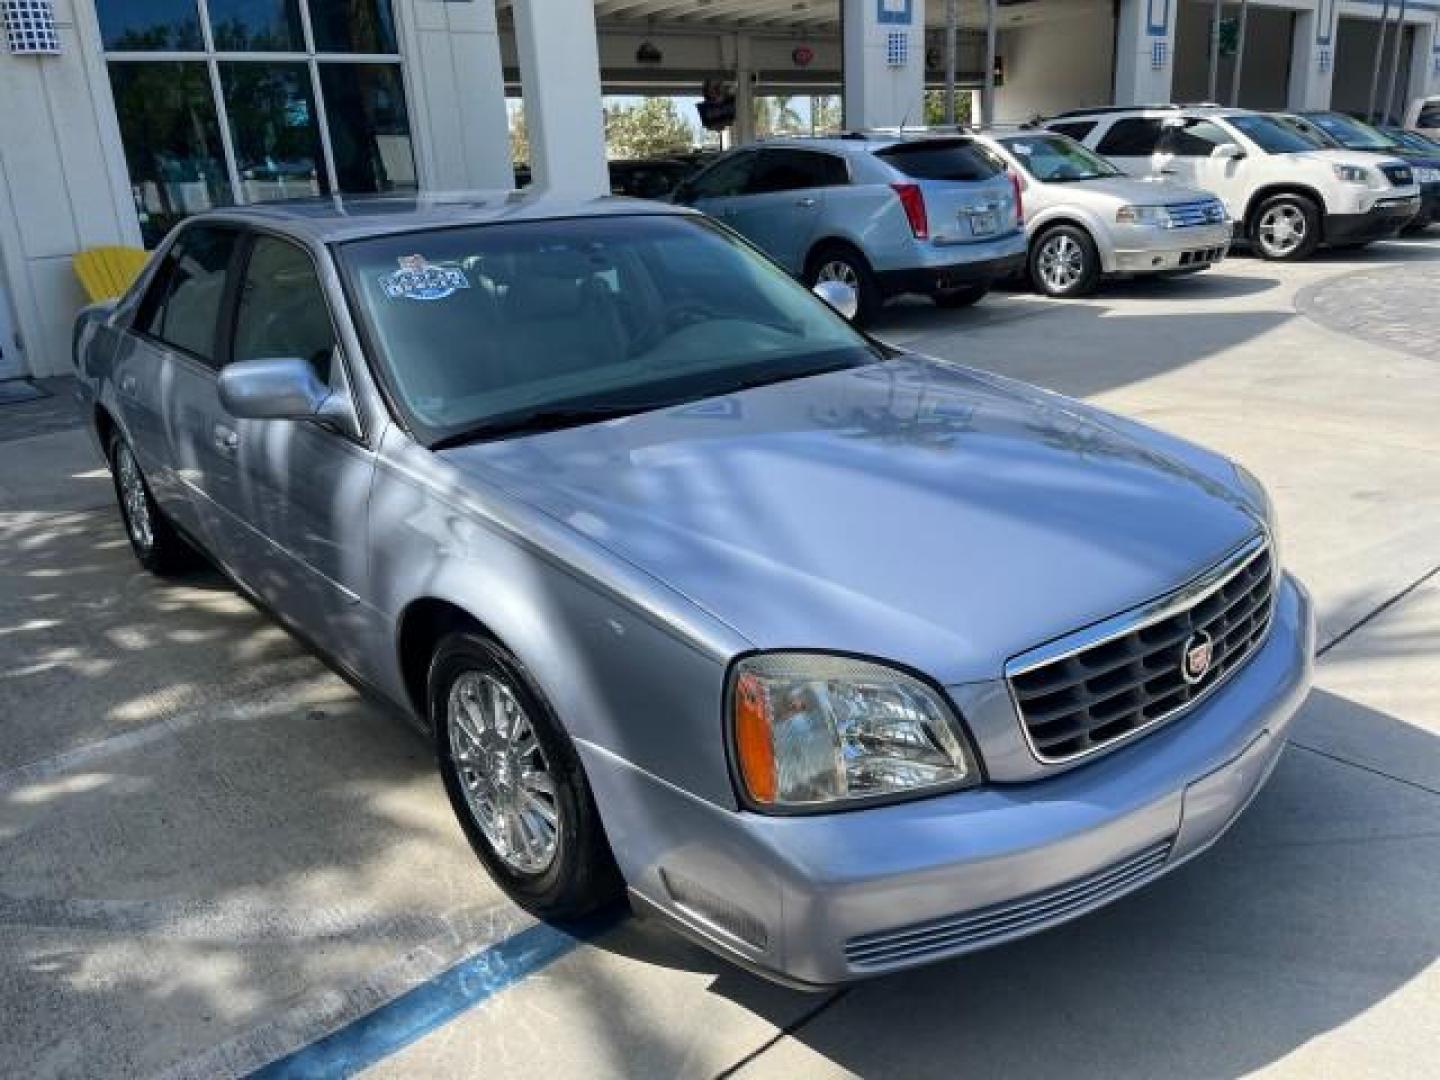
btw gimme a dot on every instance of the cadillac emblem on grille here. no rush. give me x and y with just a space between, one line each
1195 657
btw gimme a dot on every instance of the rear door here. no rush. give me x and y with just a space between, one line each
1133 144
781 207
717 190
967 194
165 381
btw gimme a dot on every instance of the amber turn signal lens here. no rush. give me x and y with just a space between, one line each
753 745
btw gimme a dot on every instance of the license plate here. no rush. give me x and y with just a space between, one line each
984 224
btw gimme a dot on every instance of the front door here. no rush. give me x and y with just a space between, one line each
1200 153
305 488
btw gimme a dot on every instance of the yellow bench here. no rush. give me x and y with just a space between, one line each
106 272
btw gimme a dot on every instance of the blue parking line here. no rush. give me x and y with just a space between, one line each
390 1028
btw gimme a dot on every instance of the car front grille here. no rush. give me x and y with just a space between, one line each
1111 681
989 925
1399 175
1204 212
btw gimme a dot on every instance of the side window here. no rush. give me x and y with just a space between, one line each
1076 129
1429 117
1194 138
1134 136
791 170
183 306
281 309
726 177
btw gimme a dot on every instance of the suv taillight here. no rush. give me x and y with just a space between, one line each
1019 200
913 201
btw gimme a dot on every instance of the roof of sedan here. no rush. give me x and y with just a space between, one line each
351 217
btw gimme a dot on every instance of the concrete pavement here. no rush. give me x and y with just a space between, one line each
213 853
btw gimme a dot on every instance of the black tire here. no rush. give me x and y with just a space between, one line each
157 545
962 297
1064 262
581 875
826 261
1299 213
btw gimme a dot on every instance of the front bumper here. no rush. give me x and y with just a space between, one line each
818 900
1154 251
1385 219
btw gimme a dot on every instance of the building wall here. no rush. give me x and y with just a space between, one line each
1061 64
62 183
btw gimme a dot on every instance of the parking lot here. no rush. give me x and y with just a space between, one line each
215 855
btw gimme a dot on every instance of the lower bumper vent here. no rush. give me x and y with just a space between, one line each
715 911
974 929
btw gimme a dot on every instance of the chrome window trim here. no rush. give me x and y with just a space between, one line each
1135 619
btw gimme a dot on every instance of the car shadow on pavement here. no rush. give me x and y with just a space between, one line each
1316 906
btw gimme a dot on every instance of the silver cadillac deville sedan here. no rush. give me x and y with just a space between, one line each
839 658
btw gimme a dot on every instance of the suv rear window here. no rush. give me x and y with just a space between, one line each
942 159
1135 136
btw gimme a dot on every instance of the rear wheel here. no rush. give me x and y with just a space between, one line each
962 297
1064 262
847 266
156 544
1285 228
516 783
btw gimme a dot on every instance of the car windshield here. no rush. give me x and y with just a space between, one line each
490 330
1413 141
1351 134
1053 159
1271 134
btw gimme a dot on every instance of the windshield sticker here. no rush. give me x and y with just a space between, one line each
419 280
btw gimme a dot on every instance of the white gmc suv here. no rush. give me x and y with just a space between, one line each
1286 194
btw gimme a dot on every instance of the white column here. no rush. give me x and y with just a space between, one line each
743 130
884 50
1312 56
1424 64
1144 51
560 78
458 86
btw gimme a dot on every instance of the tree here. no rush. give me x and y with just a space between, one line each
519 138
935 107
825 113
649 129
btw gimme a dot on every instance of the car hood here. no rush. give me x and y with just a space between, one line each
909 510
1129 189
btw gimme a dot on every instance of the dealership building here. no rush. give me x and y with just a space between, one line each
120 117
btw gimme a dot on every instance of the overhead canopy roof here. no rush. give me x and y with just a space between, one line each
811 15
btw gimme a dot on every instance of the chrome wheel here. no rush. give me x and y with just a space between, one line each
1282 229
505 777
134 502
838 270
1061 263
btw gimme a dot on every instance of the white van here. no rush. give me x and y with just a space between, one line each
1286 194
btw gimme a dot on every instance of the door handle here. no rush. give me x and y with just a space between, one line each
128 384
807 201
1169 172
226 439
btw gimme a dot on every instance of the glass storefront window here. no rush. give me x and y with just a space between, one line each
354 26
256 25
264 138
149 25
273 131
369 128
172 141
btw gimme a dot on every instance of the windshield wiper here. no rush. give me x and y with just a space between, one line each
547 419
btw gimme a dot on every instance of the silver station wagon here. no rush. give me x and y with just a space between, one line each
839 658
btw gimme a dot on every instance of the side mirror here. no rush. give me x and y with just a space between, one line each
839 296
283 388
1228 152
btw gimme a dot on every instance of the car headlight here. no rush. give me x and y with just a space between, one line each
1353 174
1260 499
1156 216
811 731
